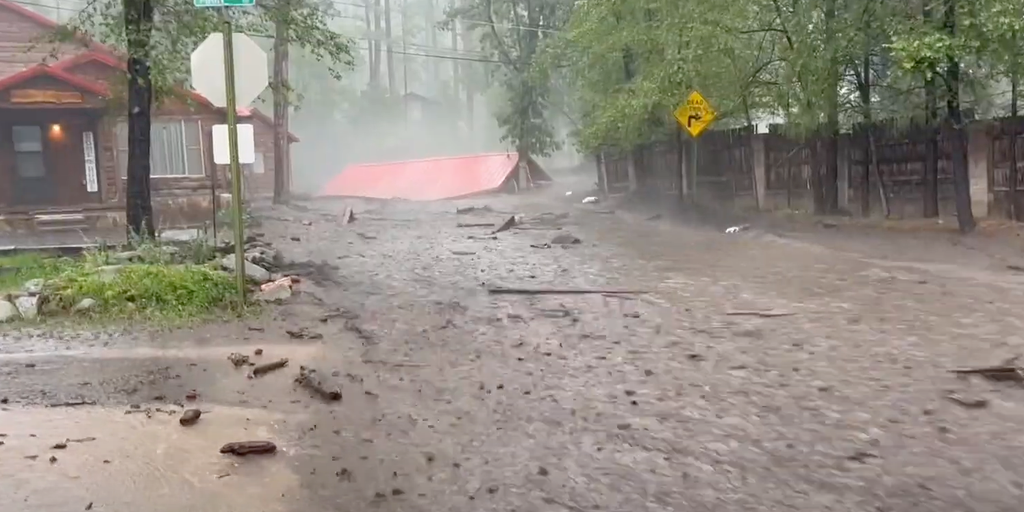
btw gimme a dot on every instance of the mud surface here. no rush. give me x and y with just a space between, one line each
455 399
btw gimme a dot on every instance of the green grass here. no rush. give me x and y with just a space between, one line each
155 291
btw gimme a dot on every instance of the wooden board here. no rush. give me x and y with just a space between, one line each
43 96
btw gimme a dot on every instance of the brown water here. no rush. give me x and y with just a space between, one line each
132 462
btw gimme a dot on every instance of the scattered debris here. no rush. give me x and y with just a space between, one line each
540 246
1017 268
364 236
475 225
59 446
542 471
89 506
605 212
477 237
1001 373
396 364
258 352
463 253
72 403
590 200
190 417
263 369
310 379
338 313
243 448
762 314
53 459
656 216
348 216
565 239
861 456
303 333
970 403
506 226
558 291
471 209
737 229
307 223
239 360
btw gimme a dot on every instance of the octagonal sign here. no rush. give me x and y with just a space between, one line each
251 70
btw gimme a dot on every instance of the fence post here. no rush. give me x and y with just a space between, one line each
760 161
631 169
979 150
602 172
843 201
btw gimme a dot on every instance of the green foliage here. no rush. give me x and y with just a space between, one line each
179 27
15 270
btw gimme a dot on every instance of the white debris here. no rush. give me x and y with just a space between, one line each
737 229
569 193
589 200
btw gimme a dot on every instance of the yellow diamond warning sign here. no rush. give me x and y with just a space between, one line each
696 115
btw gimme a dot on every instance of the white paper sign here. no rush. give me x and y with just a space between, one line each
89 149
246 144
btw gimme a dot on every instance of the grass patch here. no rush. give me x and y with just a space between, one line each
151 284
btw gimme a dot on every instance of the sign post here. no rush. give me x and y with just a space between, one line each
214 76
695 116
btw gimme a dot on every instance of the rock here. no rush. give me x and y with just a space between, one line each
34 286
252 271
8 312
29 307
243 448
126 256
276 291
565 239
190 417
109 272
239 360
85 304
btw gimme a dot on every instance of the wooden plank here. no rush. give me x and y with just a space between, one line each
22 96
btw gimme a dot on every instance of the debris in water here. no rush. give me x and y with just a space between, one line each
475 225
239 360
53 459
762 314
397 492
656 216
559 291
303 333
1003 373
71 403
268 367
89 506
569 193
565 239
507 225
590 200
310 379
970 403
60 446
190 417
258 352
861 456
471 209
737 229
463 253
348 216
243 448
192 395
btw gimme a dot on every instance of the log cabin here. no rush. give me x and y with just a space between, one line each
63 140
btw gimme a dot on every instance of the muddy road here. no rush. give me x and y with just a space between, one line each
456 399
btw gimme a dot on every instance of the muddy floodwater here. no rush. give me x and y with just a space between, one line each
764 370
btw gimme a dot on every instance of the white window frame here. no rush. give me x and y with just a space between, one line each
122 149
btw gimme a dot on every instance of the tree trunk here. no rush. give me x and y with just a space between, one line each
830 191
456 67
1014 173
138 21
368 18
931 145
961 180
864 85
281 90
377 27
392 83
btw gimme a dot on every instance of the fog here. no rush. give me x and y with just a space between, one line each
440 101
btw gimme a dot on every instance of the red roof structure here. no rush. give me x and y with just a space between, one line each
42 70
430 179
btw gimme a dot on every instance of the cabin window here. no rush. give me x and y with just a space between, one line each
176 149
28 151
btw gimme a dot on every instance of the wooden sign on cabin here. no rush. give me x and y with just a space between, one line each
43 96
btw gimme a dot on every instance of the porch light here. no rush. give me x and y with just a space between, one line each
55 129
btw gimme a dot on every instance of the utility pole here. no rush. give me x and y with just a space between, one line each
236 170
392 85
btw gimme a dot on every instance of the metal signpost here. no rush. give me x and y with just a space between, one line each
695 116
214 76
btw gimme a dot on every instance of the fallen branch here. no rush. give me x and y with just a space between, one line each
268 367
475 225
72 403
506 226
310 379
762 314
995 373
399 364
559 291
243 448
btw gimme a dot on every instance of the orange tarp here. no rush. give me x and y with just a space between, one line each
427 180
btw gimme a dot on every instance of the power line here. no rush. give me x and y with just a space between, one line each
465 20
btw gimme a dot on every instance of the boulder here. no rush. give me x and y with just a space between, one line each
252 271
126 256
29 306
8 312
85 304
109 272
276 291
34 286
